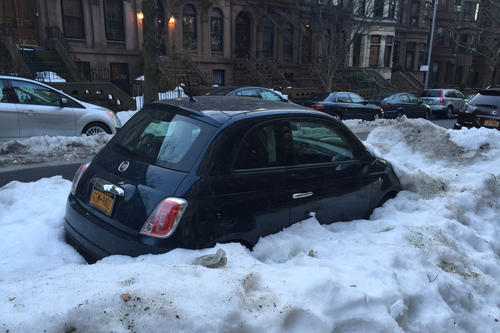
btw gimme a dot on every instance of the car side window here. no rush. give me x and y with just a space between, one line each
249 93
270 96
262 147
404 98
316 142
459 94
450 94
30 93
343 98
4 93
356 98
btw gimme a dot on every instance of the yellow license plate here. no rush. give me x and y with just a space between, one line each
491 123
102 201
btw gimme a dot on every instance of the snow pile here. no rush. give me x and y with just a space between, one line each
427 261
359 125
51 148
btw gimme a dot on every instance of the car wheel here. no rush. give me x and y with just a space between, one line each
427 114
95 129
399 114
449 112
377 116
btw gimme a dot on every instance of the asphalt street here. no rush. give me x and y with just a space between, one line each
29 173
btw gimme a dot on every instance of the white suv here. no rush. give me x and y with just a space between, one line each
444 102
30 108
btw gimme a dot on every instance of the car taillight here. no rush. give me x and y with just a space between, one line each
442 97
76 179
385 106
165 217
317 107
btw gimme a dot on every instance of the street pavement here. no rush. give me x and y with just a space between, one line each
33 172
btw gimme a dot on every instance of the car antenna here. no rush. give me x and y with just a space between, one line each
189 90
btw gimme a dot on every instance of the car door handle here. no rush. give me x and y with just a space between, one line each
302 195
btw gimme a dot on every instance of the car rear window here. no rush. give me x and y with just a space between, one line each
163 138
431 93
486 98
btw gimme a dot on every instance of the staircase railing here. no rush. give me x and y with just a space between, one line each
246 64
56 41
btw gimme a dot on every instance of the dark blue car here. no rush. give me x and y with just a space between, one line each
190 174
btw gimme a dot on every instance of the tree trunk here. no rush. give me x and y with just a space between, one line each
151 73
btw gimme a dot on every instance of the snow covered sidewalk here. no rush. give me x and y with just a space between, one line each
427 261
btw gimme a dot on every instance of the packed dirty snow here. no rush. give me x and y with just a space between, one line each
426 261
51 148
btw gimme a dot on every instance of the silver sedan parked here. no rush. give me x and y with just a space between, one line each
30 108
444 102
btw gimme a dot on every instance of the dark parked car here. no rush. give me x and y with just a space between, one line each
257 92
190 174
400 104
444 102
482 110
345 105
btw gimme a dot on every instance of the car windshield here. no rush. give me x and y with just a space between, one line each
486 98
163 138
431 93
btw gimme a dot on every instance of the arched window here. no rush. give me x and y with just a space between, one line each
189 27
268 38
217 30
288 40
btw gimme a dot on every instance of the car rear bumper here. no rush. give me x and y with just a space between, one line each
95 239
438 108
469 120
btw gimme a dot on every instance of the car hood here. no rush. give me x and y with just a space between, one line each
93 106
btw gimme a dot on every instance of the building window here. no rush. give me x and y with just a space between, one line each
440 36
410 56
374 50
288 40
189 27
219 77
415 13
217 30
389 42
113 20
391 13
356 51
268 38
378 8
422 52
435 72
361 10
73 19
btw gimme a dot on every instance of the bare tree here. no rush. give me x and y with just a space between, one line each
338 25
477 30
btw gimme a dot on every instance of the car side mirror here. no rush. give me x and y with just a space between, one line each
64 101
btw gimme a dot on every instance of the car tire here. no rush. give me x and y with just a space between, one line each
399 114
377 116
427 114
449 112
95 129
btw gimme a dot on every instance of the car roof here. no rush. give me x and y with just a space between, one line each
220 109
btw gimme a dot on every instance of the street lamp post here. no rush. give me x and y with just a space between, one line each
430 45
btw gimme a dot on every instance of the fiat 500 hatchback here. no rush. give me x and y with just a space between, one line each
190 174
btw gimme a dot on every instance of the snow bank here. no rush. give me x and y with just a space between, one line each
427 261
51 148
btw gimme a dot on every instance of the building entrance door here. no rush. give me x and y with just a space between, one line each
243 35
21 15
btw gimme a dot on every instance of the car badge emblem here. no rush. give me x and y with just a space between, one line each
123 166
494 112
